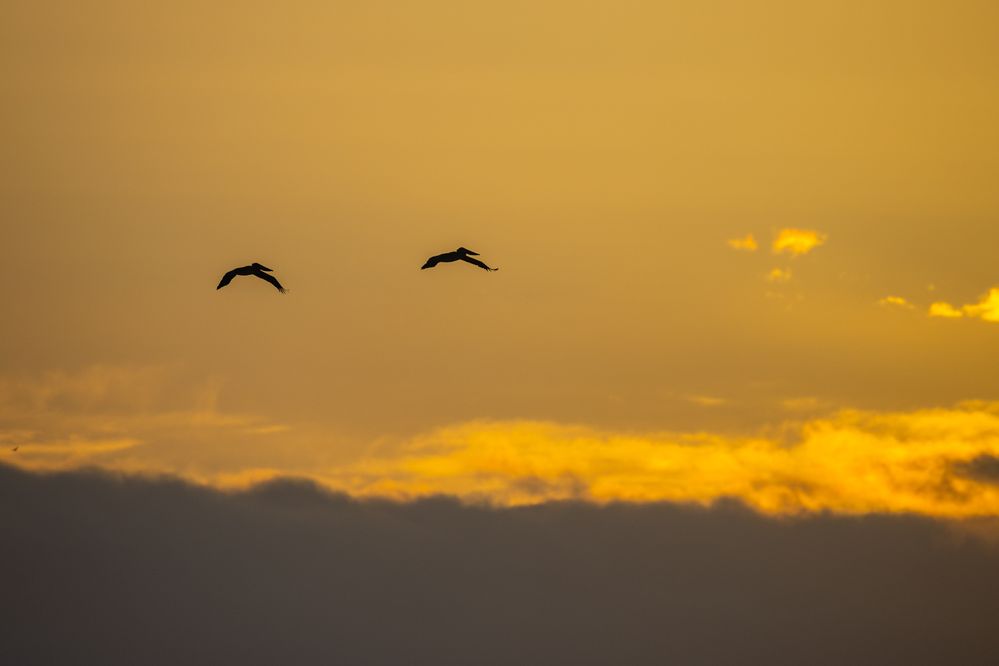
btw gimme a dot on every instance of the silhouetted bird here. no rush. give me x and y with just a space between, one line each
16 448
461 253
255 269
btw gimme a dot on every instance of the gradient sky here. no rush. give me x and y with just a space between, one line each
747 248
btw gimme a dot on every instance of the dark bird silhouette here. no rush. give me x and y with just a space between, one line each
16 448
459 254
258 270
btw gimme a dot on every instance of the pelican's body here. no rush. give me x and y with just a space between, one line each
461 254
255 269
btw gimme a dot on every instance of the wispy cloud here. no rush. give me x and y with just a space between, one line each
706 400
797 241
747 244
125 418
779 275
896 302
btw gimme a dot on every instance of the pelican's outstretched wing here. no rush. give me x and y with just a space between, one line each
227 278
270 278
476 262
433 261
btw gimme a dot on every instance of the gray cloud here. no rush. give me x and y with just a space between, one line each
983 467
122 570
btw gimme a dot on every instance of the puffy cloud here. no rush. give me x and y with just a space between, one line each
945 310
896 302
798 241
747 244
986 308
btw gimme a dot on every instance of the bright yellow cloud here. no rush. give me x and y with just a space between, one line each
946 310
779 275
854 462
747 244
798 241
987 308
897 302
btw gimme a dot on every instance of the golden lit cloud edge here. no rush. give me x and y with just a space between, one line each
934 462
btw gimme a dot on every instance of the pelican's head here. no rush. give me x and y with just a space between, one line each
261 267
462 250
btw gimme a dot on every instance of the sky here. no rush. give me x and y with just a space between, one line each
731 397
745 251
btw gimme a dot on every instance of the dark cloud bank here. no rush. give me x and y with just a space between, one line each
103 570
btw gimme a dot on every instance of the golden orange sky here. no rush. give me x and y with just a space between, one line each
746 249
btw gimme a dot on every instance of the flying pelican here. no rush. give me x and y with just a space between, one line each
461 253
253 269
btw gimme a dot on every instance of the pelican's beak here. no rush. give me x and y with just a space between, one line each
470 252
264 268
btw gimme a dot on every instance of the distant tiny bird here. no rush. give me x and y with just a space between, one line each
255 269
16 448
459 254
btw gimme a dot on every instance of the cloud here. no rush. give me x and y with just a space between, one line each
946 310
69 453
850 462
127 418
983 467
118 570
986 309
798 241
706 400
778 275
896 302
747 244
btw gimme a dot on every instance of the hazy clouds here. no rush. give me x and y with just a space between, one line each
815 459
